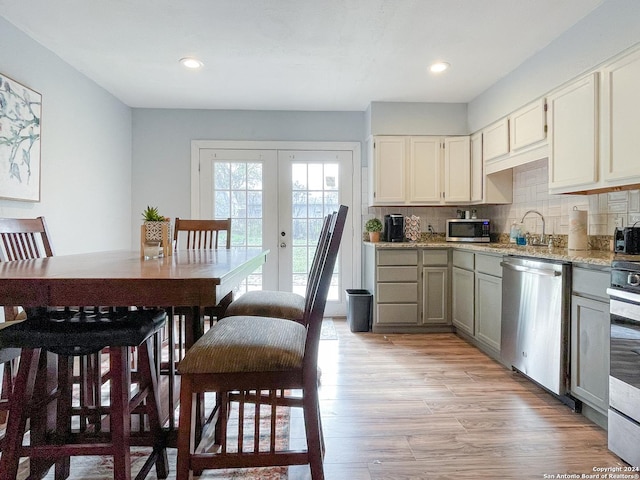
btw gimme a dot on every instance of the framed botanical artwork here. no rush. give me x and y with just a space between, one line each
20 115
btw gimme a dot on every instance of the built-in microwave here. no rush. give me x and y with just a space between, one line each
468 230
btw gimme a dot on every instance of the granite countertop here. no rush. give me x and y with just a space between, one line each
592 257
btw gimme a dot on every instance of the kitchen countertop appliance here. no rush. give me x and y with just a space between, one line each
627 240
535 312
468 230
393 228
624 366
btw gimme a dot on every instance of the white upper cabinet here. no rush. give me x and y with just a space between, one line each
389 167
420 170
527 126
573 136
424 169
476 167
495 140
457 170
620 120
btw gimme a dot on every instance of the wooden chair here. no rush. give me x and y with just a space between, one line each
272 303
201 234
20 239
241 358
69 333
197 235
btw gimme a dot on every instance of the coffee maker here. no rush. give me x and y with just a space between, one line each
393 228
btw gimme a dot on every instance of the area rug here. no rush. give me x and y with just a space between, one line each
101 468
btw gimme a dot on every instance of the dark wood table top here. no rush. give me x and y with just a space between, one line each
195 278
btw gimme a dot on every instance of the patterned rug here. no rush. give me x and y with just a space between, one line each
328 331
101 468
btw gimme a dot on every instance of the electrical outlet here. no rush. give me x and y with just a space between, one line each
619 222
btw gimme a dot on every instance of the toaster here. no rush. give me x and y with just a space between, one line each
627 240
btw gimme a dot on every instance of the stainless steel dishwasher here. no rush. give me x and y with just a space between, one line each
535 312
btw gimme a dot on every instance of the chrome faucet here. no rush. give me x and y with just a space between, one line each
543 237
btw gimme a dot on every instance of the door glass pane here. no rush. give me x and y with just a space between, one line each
314 194
238 194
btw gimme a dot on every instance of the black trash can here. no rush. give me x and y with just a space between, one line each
359 310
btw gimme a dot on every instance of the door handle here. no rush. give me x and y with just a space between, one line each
283 245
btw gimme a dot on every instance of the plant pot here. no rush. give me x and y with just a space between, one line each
374 237
153 230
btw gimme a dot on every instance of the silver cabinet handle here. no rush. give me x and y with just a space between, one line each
535 271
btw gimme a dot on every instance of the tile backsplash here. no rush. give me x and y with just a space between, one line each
530 192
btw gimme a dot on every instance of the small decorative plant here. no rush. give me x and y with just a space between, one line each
374 227
150 214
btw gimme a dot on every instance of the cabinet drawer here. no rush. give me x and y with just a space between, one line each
398 257
435 257
592 283
397 274
489 264
398 313
463 259
397 293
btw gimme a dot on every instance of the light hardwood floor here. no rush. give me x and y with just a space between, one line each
434 407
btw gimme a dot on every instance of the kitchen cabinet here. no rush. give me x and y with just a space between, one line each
495 140
527 126
477 298
488 188
621 109
389 164
573 136
410 288
419 170
435 287
590 330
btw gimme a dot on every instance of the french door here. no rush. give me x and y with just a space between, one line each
277 199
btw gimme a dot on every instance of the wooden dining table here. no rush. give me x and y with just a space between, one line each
187 278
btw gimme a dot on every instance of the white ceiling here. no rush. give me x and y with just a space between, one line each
293 54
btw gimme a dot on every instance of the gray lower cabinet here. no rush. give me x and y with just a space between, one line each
462 287
476 286
590 331
410 288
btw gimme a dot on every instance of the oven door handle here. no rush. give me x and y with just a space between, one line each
621 294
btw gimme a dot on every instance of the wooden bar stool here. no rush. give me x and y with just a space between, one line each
69 334
285 305
258 360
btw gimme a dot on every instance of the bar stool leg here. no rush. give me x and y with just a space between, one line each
22 392
119 417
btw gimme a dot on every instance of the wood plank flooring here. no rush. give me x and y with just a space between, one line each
434 407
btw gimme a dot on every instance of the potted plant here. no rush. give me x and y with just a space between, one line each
374 227
156 228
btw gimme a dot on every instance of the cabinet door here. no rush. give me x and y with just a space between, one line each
495 140
488 309
621 103
389 170
462 285
573 135
477 171
527 125
434 296
457 169
424 168
590 351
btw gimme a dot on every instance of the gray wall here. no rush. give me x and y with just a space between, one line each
162 146
86 151
608 30
394 118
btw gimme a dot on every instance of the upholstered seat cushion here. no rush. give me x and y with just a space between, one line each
268 303
247 344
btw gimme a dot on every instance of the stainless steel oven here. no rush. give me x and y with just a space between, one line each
624 369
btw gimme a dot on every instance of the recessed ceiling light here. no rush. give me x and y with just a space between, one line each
439 67
191 62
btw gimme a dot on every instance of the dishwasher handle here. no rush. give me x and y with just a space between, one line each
535 271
